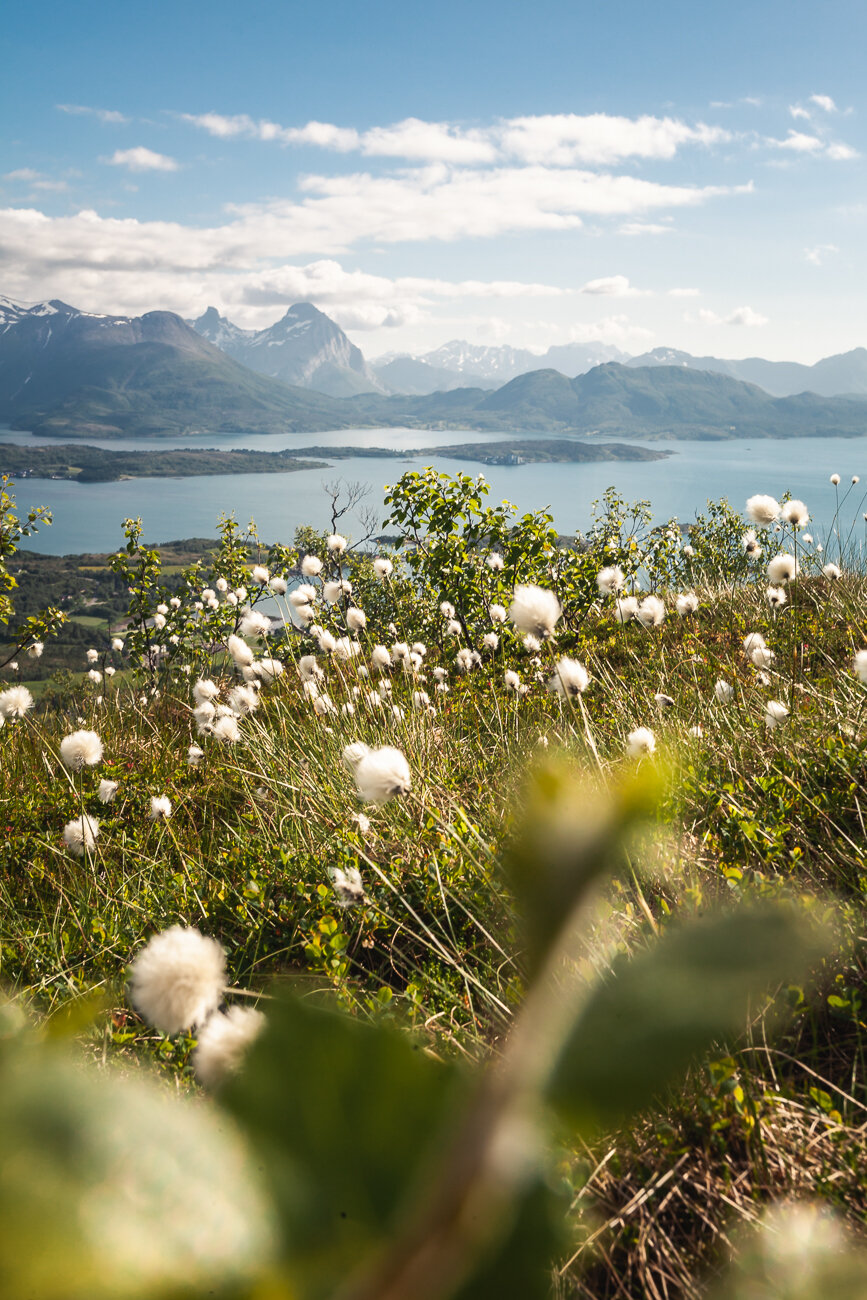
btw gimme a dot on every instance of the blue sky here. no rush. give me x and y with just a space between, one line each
671 174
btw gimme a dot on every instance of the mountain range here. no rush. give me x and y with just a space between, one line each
77 374
830 377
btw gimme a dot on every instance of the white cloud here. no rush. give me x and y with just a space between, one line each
684 293
141 159
798 111
798 142
109 116
632 228
841 152
610 329
22 174
36 180
819 253
740 316
612 286
825 102
555 140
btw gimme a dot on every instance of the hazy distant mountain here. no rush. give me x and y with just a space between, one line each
459 362
415 377
834 376
304 348
76 373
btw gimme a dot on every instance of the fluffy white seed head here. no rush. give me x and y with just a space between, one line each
94 676
570 679
194 756
859 665
223 1042
267 670
311 565
260 574
498 614
356 619
252 623
177 980
782 568
239 650
227 729
161 808
117 644
495 562
107 790
833 572
512 680
159 621
205 689
640 742
303 594
610 580
490 640
15 701
348 885
81 749
34 651
687 603
776 597
447 609
835 479
763 510
775 714
651 612
332 591
243 700
345 648
354 753
382 774
80 834
535 610
380 658
382 567
92 656
751 641
762 657
796 513
626 609
336 544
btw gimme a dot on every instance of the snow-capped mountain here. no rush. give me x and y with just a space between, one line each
474 364
304 348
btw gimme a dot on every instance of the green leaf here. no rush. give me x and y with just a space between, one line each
644 1025
344 1116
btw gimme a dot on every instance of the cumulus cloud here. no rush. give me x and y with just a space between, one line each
799 142
141 159
825 102
612 286
555 140
109 116
820 253
740 316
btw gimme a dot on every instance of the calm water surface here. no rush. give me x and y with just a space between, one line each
87 517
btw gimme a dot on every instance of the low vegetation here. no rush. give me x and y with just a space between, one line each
507 894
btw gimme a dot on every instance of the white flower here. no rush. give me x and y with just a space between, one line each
80 834
808 538
453 628
382 568
239 650
859 665
336 544
532 644
639 742
495 562
751 545
447 609
512 680
347 886
323 705
310 688
81 749
751 640
855 479
107 790
776 596
204 715
498 614
311 565
205 689
775 714
782 568
400 652
231 599
650 612
356 619
15 701
831 571
535 610
380 658
763 510
724 691
610 580
260 574
626 609
382 774
687 603
222 1043
490 640
92 656
835 479
34 651
117 644
252 623
796 513
177 979
161 808
227 729
194 756
570 678
242 700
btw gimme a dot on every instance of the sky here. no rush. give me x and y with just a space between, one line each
675 175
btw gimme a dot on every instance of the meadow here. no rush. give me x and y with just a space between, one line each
487 921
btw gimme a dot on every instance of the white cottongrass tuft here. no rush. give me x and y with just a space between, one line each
107 790
332 591
302 594
195 756
161 808
266 670
177 979
447 609
663 702
833 572
336 544
80 834
15 701
763 510
420 699
651 612
354 753
94 676
311 565
419 648
260 574
626 609
308 668
380 658
356 619
117 644
535 610
382 774
762 657
570 678
239 650
326 641
688 551
81 749
92 656
243 700
348 885
782 568
498 614
775 714
640 742
227 730
278 585
513 680
776 597
34 651
465 660
253 623
835 479
323 705
490 640
205 689
223 1042
159 621
751 641
453 628
610 580
382 567
796 513
495 562
345 648
750 544
859 665
687 603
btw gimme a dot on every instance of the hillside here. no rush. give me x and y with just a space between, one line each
843 374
